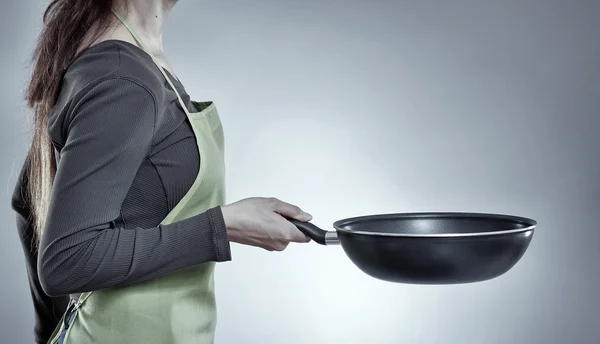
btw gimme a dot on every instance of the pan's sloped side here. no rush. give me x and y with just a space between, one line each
435 260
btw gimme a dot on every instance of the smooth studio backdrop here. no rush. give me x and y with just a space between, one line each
356 107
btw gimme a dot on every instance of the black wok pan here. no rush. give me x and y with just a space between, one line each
429 248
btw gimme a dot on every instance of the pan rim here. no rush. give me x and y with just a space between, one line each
530 224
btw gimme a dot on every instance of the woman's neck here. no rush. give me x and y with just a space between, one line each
147 18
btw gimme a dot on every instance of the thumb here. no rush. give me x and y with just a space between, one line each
291 211
302 216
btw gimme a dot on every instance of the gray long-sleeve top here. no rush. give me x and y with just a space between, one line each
126 156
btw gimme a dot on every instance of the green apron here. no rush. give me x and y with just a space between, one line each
178 308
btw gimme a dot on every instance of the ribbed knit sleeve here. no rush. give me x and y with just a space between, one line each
108 135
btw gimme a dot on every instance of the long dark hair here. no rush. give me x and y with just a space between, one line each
68 26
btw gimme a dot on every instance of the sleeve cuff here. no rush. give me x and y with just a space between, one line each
221 240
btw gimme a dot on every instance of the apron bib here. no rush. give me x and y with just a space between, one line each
178 308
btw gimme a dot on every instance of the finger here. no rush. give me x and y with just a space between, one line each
280 246
290 211
295 235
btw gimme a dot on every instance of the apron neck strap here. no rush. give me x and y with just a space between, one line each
141 43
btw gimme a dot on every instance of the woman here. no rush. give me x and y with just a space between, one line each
120 201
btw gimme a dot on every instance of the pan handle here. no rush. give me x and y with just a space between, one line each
315 233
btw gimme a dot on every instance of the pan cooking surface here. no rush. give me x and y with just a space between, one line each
434 224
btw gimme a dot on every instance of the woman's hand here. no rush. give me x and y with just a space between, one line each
261 222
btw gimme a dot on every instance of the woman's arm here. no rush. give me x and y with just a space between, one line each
48 310
109 132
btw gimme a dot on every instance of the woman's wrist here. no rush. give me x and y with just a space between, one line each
231 222
227 216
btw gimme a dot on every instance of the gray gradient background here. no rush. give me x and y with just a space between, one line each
358 107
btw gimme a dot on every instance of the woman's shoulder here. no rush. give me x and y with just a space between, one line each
110 60
112 76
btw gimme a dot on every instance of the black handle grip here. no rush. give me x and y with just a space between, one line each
315 233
